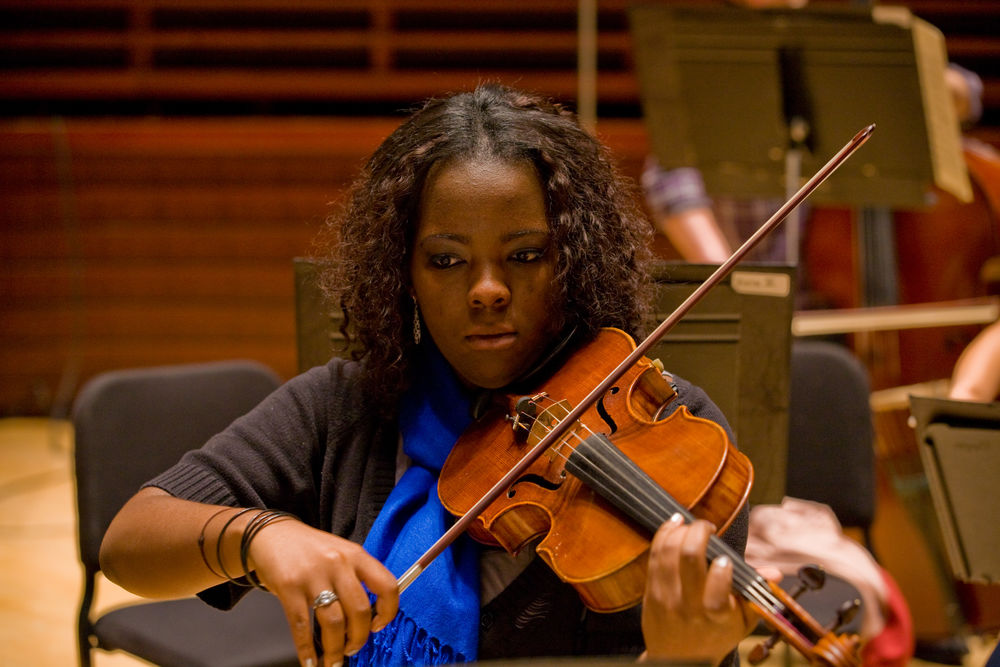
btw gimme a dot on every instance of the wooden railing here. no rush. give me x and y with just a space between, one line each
300 50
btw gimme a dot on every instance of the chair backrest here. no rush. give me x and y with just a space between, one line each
831 455
132 424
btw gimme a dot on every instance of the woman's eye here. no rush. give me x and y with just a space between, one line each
443 261
528 255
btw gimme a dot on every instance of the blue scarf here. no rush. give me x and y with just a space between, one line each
438 619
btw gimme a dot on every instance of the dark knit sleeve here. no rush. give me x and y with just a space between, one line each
318 447
699 403
267 458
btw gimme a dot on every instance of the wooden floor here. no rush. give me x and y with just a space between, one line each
40 574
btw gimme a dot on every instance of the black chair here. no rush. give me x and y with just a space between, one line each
831 453
131 425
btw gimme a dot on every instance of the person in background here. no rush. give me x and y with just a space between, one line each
706 229
976 376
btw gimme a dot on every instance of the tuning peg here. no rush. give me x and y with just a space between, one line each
760 652
811 578
846 613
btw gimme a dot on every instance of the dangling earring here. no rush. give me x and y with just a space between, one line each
416 322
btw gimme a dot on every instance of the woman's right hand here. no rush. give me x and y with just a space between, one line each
151 549
297 562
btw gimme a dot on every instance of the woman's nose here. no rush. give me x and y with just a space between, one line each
489 290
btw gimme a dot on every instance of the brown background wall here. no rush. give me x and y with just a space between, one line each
161 163
151 241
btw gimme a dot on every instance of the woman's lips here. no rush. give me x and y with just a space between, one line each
493 341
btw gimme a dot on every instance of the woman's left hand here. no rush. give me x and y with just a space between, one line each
689 612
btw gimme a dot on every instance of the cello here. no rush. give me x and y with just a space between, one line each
946 252
941 253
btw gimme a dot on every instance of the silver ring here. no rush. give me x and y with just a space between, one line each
324 599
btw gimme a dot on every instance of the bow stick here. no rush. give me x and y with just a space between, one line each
462 523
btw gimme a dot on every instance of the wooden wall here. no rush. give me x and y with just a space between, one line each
162 162
132 242
137 242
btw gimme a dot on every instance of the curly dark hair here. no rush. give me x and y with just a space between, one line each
597 227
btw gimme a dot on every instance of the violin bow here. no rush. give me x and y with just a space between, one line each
560 428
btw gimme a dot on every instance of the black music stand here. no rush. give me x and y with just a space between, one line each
739 93
959 443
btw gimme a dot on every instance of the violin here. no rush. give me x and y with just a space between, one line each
597 474
597 497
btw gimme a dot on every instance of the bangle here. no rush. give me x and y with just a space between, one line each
201 542
218 545
256 524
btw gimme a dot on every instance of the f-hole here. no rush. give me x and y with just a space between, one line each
603 411
537 480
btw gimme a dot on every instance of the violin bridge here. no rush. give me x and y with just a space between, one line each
545 421
525 412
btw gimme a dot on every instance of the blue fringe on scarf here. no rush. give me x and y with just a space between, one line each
402 639
438 621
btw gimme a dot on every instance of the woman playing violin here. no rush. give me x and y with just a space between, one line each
480 233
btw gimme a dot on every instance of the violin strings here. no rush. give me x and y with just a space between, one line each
661 504
653 516
656 506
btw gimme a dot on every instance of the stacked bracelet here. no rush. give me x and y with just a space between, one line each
261 519
218 544
201 543
256 524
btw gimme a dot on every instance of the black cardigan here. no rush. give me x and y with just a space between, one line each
318 448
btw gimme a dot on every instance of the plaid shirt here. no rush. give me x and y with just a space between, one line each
669 192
